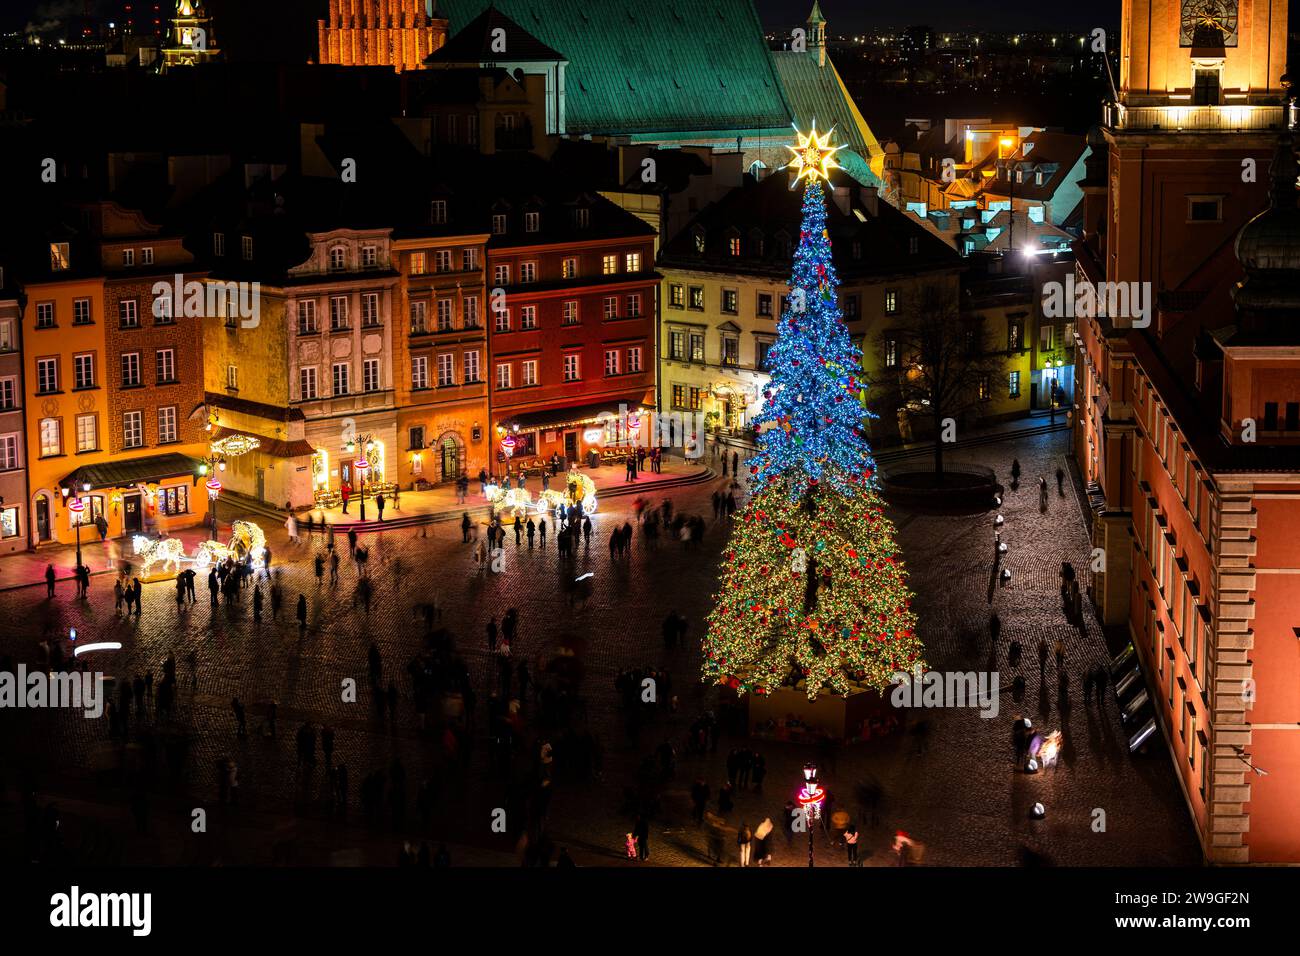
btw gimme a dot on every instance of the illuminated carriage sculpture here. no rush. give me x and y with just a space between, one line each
245 538
518 501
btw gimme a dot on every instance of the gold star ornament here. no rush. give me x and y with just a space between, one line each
814 156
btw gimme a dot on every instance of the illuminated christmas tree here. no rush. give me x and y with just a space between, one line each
813 586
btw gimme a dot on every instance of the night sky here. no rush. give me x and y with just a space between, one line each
293 20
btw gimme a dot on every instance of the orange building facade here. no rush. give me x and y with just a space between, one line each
396 33
1187 427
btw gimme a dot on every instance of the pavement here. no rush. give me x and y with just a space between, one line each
951 785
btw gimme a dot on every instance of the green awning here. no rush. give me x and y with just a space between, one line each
133 471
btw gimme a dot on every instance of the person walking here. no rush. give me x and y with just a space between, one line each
49 580
334 568
1060 481
492 635
1015 471
745 840
379 503
302 612
291 525
465 526
641 831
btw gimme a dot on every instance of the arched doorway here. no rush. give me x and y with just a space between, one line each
43 516
451 456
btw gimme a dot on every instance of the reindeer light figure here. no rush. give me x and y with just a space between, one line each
169 551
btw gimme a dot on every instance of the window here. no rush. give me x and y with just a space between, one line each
611 362
1014 330
761 349
1270 416
764 307
8 454
501 319
369 257
420 372
610 306
532 221
369 309
87 437
218 244
415 436
47 376
45 315
913 245
337 259
501 274
530 372
503 375
8 393
528 272
419 317
83 371
1205 88
130 369
696 399
498 224
340 371
634 359
891 302
699 242
679 396
165 365
446 370
852 307
59 261
697 346
51 437
572 367
338 313
570 312
307 383
166 424
469 312
676 296
730 350
1204 209
417 263
246 248
469 260
1013 384
444 315
677 345
528 317
733 245
632 262
6 335
471 367
697 298
128 314
132 430
232 378
370 375
438 212
307 317
634 305
984 393
582 217
609 265
569 270
1045 338
730 300
81 312
442 260
174 501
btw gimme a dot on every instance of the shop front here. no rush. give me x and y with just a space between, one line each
357 461
589 435
152 495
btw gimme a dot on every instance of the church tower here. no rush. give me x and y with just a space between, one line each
817 34
190 39
396 33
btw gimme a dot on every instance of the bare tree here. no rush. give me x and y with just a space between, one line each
944 368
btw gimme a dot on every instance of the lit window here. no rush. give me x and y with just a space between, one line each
609 265
632 262
417 263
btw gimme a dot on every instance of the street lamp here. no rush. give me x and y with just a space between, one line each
78 508
811 798
214 464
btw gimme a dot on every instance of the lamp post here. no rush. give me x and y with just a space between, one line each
362 465
212 465
78 508
811 798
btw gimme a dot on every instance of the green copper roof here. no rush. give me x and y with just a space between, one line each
817 93
670 66
816 15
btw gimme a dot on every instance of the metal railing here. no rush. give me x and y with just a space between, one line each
1231 118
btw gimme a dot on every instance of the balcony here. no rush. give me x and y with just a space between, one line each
1199 119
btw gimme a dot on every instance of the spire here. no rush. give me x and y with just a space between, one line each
817 33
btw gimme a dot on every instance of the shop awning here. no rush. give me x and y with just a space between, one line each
575 414
133 471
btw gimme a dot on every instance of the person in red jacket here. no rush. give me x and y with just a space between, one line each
346 491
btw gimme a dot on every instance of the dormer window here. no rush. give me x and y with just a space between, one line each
532 221
582 217
498 224
336 259
1038 177
699 241
733 246
913 245
438 212
246 248
218 244
369 257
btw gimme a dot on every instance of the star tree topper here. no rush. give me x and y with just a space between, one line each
814 156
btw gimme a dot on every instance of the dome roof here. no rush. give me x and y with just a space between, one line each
1271 241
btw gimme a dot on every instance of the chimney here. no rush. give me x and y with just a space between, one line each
870 198
841 197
